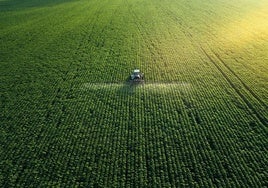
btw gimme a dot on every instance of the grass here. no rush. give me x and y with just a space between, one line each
69 119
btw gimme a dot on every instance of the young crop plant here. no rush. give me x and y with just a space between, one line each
72 117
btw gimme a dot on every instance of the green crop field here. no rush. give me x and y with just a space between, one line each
69 118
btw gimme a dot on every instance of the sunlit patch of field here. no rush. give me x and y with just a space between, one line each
249 28
70 117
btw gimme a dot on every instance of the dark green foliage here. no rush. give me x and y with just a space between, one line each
69 119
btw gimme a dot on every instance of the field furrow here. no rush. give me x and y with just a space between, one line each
70 117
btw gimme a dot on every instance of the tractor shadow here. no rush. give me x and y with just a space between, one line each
129 87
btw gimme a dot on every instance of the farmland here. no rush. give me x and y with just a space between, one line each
68 117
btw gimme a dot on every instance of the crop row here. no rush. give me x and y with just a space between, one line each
70 118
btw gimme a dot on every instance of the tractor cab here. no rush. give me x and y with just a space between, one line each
136 75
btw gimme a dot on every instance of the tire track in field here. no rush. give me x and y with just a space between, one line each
187 33
255 115
262 119
241 81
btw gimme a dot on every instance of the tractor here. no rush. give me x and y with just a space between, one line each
137 76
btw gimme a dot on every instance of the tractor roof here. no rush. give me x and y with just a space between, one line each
136 71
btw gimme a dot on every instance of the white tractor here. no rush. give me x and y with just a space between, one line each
137 76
